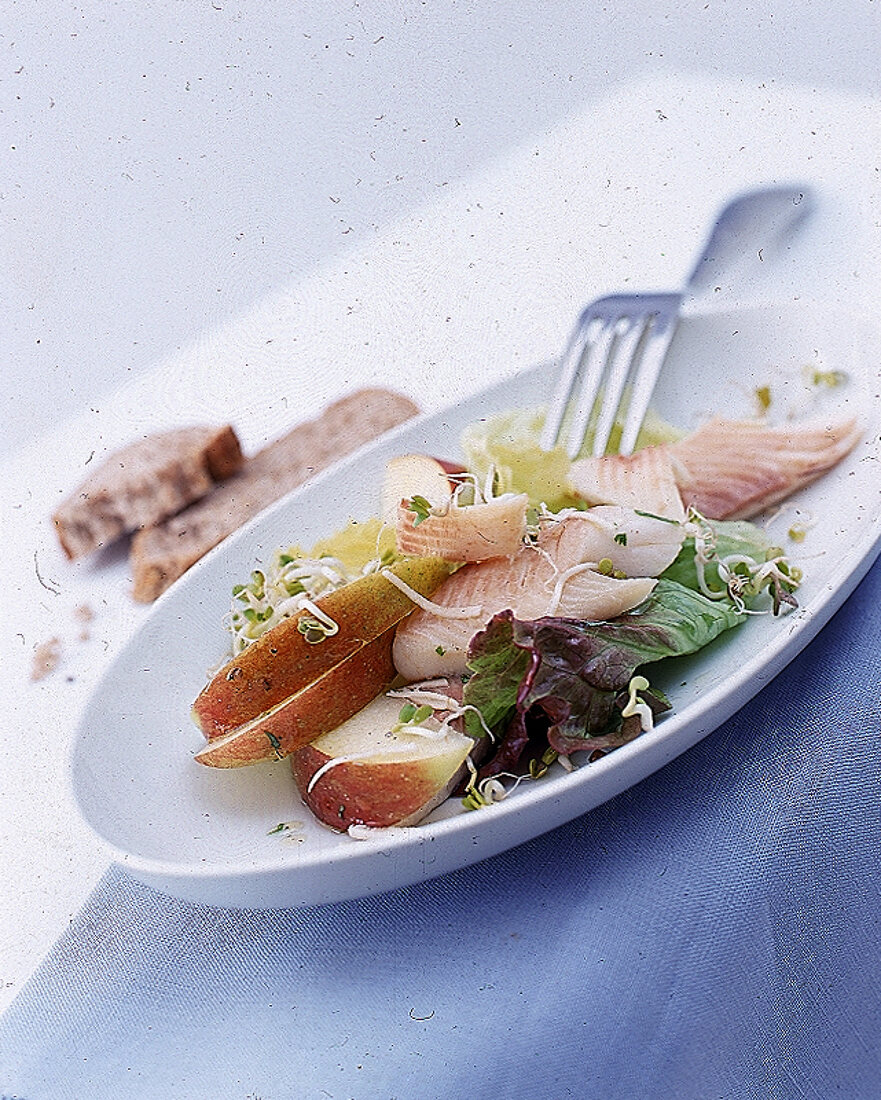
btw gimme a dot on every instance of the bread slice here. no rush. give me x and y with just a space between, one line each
144 483
161 554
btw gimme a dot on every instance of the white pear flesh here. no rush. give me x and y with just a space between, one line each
412 475
366 772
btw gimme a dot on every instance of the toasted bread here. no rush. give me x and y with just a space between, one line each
144 483
161 554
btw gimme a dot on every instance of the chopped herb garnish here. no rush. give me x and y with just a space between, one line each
288 830
652 515
621 538
421 507
828 378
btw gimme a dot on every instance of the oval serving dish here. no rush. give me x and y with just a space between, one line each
210 835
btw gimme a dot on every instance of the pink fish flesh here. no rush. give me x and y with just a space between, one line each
551 577
727 469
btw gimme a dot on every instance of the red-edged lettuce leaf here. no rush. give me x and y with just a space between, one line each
563 682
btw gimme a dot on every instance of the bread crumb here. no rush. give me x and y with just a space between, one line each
83 615
47 657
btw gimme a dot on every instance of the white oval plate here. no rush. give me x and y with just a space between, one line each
206 834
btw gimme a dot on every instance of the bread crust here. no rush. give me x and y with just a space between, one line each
162 553
144 483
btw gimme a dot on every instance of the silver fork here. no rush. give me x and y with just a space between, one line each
618 346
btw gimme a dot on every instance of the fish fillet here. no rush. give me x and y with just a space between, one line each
552 577
642 480
474 533
734 469
727 469
637 544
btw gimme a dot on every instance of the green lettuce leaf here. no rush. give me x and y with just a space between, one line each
509 443
563 682
731 537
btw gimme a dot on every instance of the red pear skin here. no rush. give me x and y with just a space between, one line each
373 793
454 468
322 705
282 664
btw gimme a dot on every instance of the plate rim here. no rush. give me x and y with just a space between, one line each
711 710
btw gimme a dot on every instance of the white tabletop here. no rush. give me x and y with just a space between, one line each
199 197
167 166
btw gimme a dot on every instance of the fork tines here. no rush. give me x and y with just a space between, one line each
609 370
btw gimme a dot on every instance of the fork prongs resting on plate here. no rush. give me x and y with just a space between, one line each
609 371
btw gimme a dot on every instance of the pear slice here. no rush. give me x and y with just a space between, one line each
321 705
282 663
366 772
417 475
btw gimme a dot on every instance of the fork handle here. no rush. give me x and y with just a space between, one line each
751 222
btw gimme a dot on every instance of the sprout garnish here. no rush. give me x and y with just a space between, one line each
467 492
411 715
484 792
467 612
742 576
288 585
426 702
638 706
317 625
799 528
606 567
827 378
412 719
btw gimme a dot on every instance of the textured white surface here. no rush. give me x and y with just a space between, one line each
478 273
167 166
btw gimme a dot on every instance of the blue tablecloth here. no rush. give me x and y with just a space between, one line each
712 932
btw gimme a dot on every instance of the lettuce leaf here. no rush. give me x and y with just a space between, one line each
563 682
509 443
731 537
